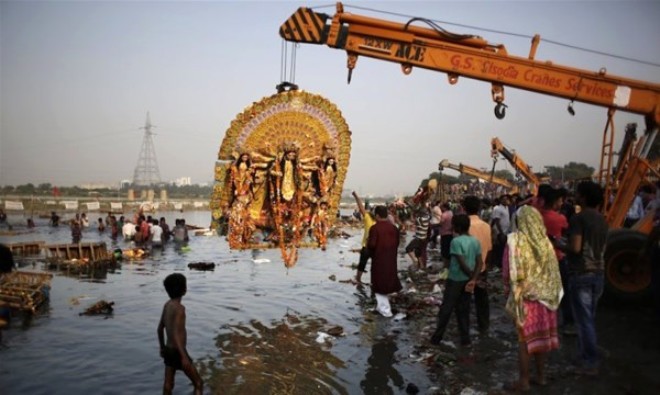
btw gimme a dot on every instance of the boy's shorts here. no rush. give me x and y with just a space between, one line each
416 245
172 358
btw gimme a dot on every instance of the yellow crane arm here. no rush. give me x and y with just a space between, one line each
471 57
516 161
474 172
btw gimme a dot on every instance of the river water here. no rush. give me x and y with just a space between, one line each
253 327
252 324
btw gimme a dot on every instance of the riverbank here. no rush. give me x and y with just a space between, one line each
253 328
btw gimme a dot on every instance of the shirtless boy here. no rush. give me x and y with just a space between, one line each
173 323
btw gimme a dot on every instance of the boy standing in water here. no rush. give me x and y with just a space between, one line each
173 323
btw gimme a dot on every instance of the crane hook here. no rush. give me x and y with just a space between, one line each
500 110
570 108
285 86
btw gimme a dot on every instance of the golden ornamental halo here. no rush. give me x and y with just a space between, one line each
295 121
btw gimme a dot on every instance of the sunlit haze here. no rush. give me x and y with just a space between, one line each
78 78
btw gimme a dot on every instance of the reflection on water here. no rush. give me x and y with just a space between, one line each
381 370
280 358
242 331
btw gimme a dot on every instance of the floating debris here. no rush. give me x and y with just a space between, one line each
323 337
336 331
201 266
99 308
134 254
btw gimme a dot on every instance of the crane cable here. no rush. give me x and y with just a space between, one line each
558 43
287 69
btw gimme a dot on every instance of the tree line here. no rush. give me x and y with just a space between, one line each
47 189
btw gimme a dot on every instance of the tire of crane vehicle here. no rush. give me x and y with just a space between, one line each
627 272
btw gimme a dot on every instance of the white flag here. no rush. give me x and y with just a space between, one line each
92 206
116 206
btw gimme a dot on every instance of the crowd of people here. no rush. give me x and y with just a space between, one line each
549 249
142 230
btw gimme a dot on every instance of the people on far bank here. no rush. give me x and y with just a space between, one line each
128 230
101 225
76 229
180 231
54 219
155 234
3 220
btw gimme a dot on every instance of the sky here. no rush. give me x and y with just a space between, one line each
78 78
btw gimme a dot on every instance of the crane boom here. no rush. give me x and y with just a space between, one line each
474 172
471 57
516 161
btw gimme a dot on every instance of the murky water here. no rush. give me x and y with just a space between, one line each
252 327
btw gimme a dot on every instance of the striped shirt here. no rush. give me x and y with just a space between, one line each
422 225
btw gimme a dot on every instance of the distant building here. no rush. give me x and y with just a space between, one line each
125 184
183 181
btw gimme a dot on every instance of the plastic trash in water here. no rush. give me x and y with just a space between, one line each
432 300
443 274
470 391
437 289
323 337
261 260
399 316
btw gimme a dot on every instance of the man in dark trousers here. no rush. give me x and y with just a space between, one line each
587 237
383 244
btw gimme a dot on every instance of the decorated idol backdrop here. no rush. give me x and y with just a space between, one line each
280 173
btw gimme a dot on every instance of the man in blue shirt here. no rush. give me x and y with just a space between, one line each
464 266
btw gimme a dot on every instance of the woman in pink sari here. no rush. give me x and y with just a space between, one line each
531 278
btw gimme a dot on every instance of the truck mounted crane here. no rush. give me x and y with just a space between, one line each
516 161
474 172
471 56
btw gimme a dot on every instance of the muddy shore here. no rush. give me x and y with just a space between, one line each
628 334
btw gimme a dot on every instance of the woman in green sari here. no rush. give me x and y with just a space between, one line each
531 277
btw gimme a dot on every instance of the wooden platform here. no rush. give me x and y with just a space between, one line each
24 290
90 251
26 248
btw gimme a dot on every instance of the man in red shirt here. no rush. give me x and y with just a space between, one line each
556 225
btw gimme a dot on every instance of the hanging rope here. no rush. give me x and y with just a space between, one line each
287 68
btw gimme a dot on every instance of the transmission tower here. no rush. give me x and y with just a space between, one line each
146 171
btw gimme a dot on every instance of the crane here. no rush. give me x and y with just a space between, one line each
471 56
516 161
474 172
